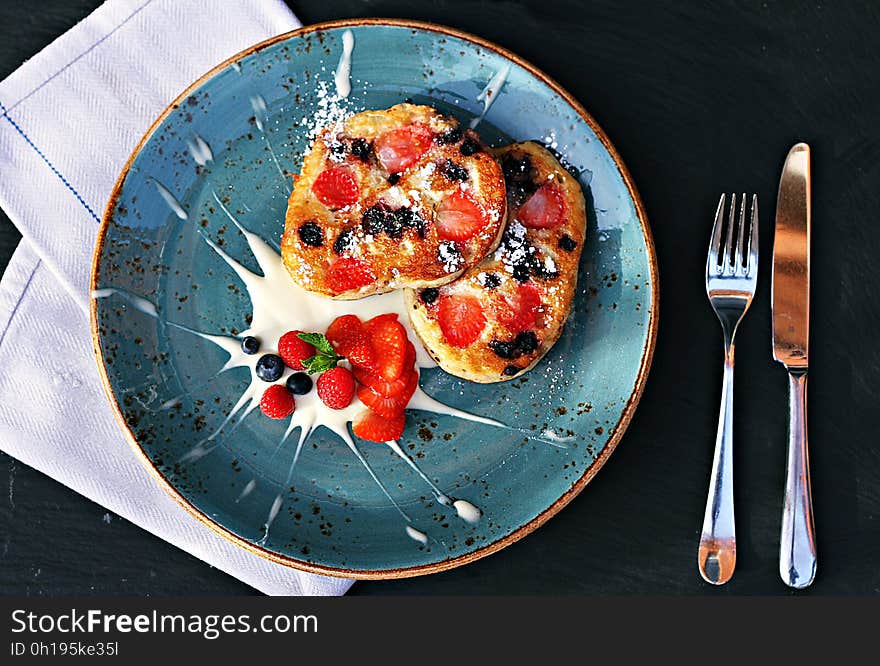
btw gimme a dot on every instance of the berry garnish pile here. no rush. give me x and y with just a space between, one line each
379 368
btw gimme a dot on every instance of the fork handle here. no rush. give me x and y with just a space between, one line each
797 545
717 555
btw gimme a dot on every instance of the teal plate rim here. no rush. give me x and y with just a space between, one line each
523 530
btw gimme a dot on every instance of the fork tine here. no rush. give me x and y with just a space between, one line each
753 238
739 260
728 245
715 242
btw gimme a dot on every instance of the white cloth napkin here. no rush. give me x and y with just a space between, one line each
69 118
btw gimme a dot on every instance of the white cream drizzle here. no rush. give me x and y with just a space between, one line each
261 116
170 199
273 297
490 93
417 535
342 76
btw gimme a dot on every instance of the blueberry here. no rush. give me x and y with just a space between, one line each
522 271
468 147
491 281
310 234
519 176
362 149
373 221
250 345
429 295
567 243
270 367
394 226
299 383
343 241
450 136
503 349
393 179
409 219
453 171
516 169
511 370
539 268
526 342
337 148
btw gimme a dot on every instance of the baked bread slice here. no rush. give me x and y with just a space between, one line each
388 199
501 317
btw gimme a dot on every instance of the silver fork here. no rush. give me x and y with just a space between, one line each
731 275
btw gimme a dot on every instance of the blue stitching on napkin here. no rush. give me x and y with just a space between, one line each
48 163
84 53
20 300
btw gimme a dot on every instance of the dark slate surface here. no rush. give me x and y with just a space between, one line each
701 98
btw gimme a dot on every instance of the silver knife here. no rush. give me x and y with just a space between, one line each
791 334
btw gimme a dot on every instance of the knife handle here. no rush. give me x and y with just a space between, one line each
797 547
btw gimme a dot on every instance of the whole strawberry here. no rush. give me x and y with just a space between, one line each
294 350
336 387
277 402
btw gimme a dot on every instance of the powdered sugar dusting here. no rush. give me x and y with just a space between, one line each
514 248
449 256
329 111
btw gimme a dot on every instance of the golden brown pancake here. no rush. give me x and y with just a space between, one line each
389 199
499 318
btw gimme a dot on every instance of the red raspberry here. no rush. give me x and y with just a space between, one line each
277 402
294 351
336 388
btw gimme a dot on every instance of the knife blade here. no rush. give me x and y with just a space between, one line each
791 335
791 262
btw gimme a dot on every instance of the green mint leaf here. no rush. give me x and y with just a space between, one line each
320 363
319 341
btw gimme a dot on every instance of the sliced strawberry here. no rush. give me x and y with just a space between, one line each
400 148
544 209
520 312
459 217
389 341
336 188
380 385
359 353
461 319
371 324
350 339
347 273
374 428
389 405
343 327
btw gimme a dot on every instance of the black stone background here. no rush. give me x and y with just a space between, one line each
699 98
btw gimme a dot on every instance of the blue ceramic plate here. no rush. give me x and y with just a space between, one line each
254 112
